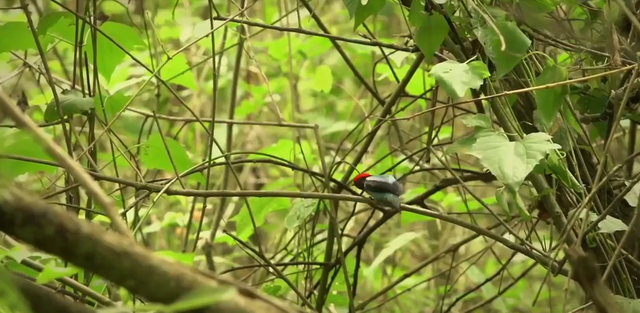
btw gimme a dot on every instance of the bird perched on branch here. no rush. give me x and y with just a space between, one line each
384 189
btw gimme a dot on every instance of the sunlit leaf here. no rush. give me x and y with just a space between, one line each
13 143
322 79
511 161
185 258
52 272
178 71
109 55
456 78
12 299
16 36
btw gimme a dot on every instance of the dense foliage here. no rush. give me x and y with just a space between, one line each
164 155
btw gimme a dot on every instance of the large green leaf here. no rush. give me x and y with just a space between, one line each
12 300
178 71
13 143
71 103
52 272
155 155
110 55
365 9
456 78
432 32
57 25
549 100
516 45
511 161
16 36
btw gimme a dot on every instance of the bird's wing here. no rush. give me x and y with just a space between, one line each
383 183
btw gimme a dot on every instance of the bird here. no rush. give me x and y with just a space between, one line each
384 189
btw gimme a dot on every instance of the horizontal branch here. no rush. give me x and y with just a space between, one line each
111 256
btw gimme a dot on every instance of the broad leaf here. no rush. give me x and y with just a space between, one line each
12 299
178 71
633 195
516 45
456 78
112 105
432 32
16 36
156 156
185 258
13 143
109 55
57 25
322 79
512 161
549 100
391 247
611 225
52 272
477 120
364 11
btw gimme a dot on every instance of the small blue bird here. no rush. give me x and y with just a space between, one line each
384 189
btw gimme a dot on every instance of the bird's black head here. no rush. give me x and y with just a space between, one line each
358 181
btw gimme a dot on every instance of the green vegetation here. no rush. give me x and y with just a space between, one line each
176 155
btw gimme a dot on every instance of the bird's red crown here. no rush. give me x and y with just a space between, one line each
358 181
361 176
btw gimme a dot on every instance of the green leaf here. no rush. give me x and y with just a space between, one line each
432 32
503 200
155 156
391 247
200 298
549 100
70 104
416 13
517 202
456 78
410 217
477 120
51 273
109 55
351 5
512 161
185 258
12 299
364 11
560 170
611 225
16 36
322 79
289 150
13 143
260 207
300 210
57 25
112 105
178 71
633 195
516 45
